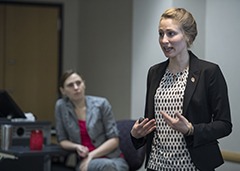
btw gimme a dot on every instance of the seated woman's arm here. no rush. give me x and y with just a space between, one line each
80 149
105 148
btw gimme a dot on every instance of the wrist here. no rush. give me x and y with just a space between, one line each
92 155
190 130
75 147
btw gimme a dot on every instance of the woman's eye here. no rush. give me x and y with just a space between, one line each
168 34
160 34
171 34
78 83
70 85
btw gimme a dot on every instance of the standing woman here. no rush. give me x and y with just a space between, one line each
85 124
187 107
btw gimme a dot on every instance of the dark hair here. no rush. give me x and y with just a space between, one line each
65 75
186 21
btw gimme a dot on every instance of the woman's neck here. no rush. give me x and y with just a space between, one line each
80 109
178 64
79 104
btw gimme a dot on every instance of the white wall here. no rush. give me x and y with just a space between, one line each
105 51
146 50
222 45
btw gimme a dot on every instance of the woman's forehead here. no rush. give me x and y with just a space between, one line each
73 78
168 24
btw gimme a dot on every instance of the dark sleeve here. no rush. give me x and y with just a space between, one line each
137 143
219 109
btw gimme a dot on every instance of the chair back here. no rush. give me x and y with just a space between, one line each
134 158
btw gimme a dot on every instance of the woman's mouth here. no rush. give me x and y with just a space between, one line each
167 49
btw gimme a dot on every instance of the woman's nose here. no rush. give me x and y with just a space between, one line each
75 85
164 39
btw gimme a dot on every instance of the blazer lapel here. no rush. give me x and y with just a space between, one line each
90 110
192 81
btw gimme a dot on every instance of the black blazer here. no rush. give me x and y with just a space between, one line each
205 105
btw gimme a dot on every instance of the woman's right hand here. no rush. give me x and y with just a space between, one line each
82 150
143 128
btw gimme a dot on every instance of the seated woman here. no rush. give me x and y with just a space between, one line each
86 124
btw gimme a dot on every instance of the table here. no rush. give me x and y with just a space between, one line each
21 158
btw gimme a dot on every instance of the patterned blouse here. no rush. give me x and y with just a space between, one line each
169 152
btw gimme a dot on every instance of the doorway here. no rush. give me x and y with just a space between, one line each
30 55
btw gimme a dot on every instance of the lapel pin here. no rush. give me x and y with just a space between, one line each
193 79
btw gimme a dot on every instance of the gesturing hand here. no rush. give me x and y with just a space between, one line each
180 123
140 130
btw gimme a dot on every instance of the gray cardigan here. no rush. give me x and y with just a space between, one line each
100 122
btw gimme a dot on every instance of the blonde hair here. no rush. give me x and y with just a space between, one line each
186 21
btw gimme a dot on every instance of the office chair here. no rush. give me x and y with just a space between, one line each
134 158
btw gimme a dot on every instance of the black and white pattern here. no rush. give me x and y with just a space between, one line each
169 152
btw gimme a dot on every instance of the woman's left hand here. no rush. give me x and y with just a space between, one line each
180 123
84 163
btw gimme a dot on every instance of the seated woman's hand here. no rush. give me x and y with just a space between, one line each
82 150
84 163
140 130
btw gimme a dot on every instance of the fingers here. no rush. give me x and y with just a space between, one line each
140 130
166 116
168 119
179 123
83 165
147 126
143 127
180 117
82 151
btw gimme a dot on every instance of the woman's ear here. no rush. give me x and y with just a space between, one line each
62 90
84 84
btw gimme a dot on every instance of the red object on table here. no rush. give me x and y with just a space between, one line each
36 140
